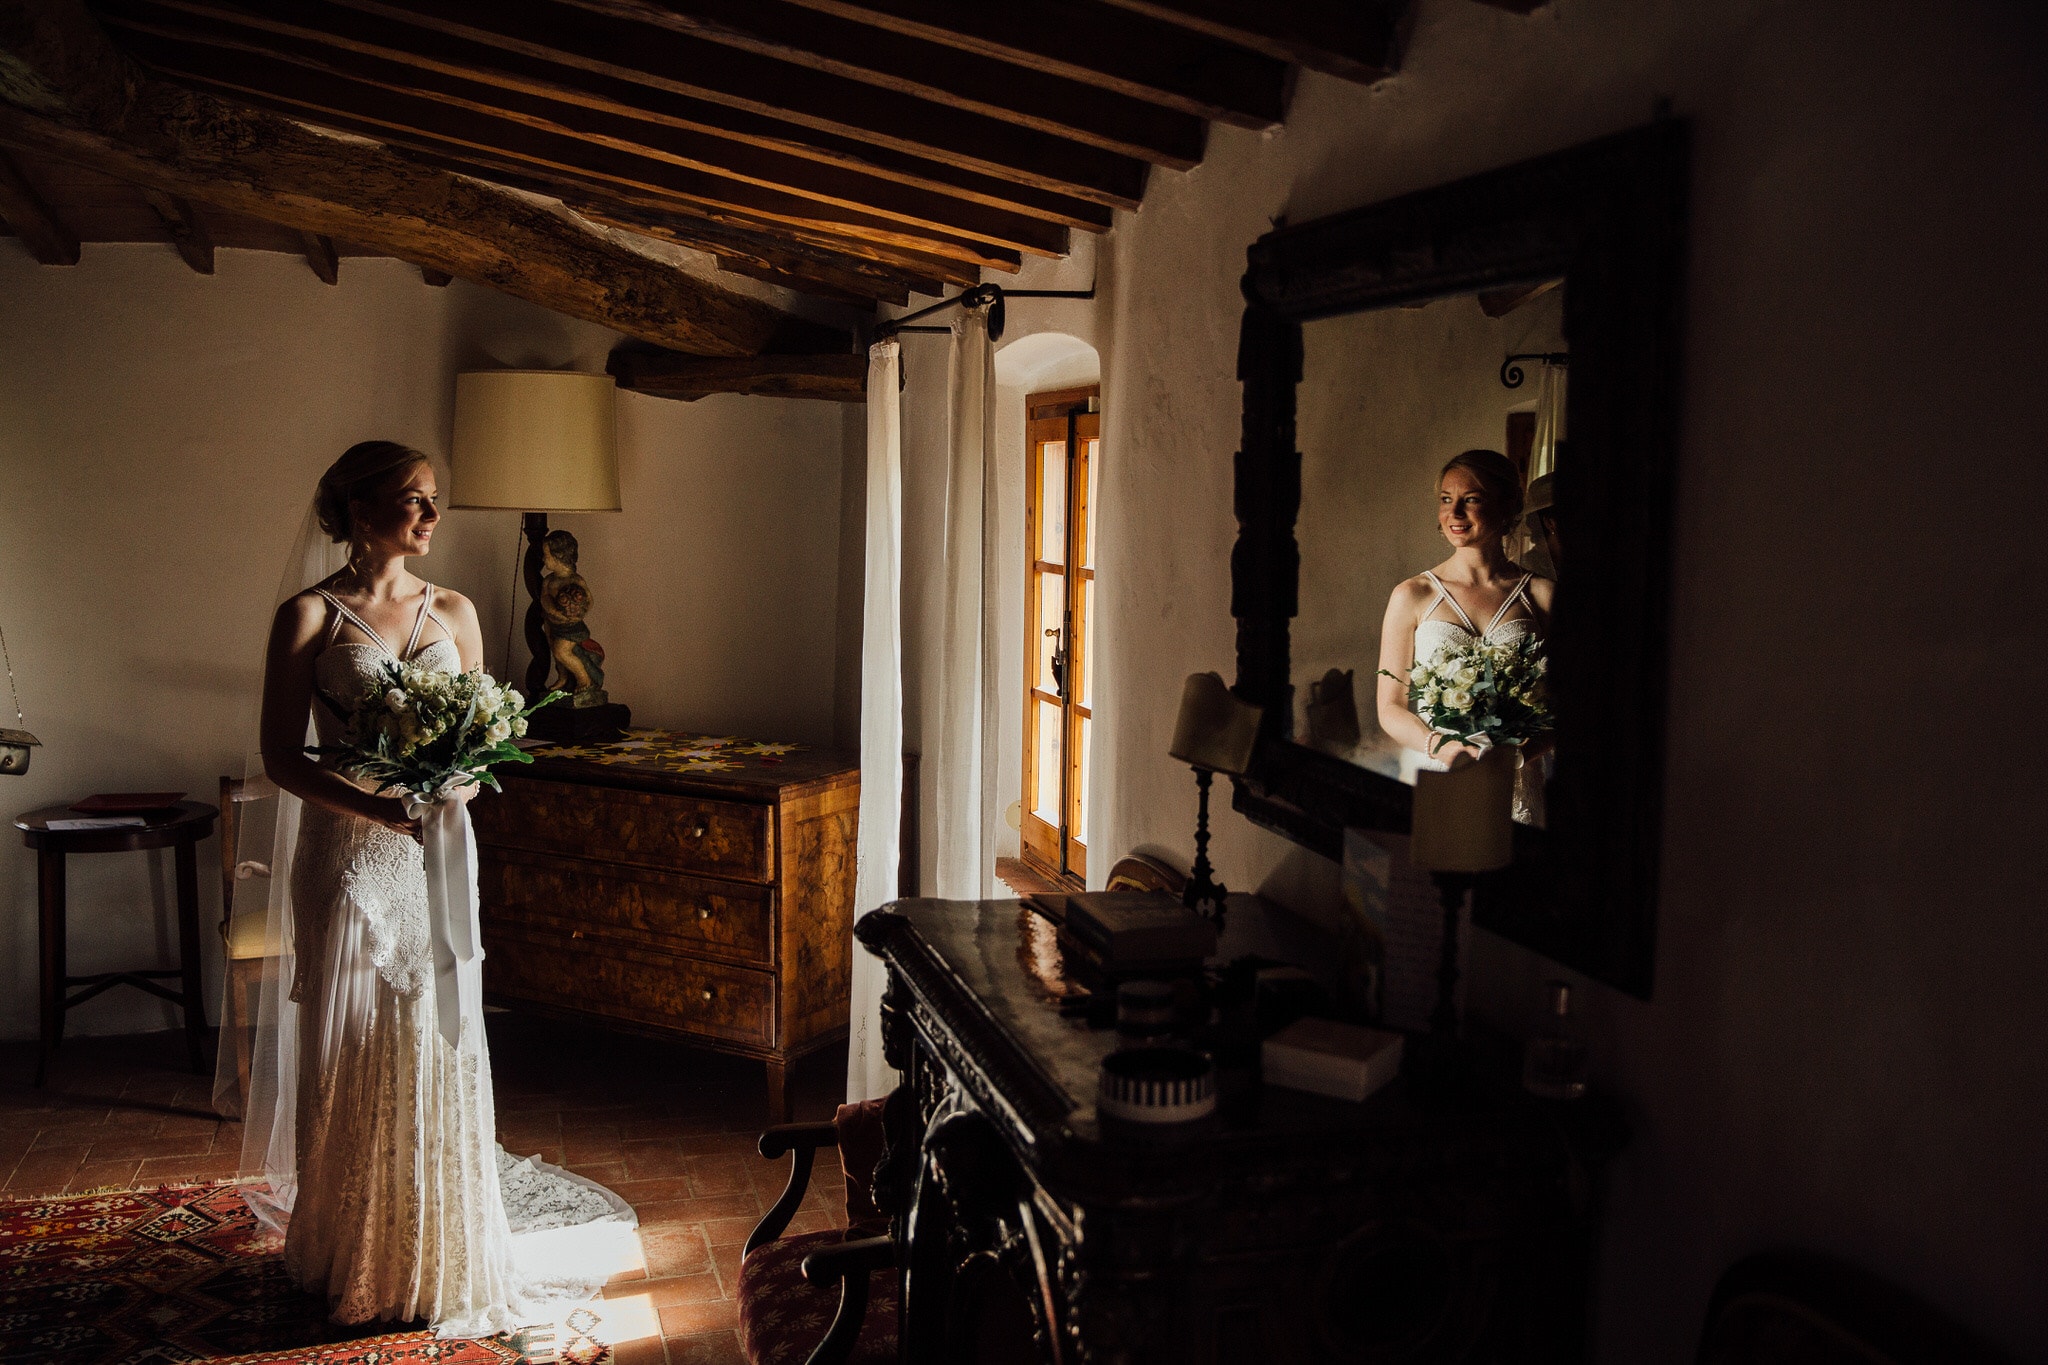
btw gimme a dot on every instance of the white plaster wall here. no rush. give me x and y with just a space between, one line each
1842 1053
160 435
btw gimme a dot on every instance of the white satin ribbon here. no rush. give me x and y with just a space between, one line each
452 927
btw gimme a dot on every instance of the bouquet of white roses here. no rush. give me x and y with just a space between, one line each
1483 694
424 730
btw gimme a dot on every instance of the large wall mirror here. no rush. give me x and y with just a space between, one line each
1532 313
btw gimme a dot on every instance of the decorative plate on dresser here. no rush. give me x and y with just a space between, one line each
686 886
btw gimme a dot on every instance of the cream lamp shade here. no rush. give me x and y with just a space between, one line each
1216 729
535 441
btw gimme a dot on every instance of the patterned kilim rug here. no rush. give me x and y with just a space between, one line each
184 1274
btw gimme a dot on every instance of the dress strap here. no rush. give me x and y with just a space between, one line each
420 622
351 618
1443 594
1512 597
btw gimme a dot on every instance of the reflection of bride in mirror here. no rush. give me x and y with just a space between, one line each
1479 504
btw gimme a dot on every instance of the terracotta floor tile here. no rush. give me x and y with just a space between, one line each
723 1232
640 1351
653 1159
747 1143
77 1133
726 1261
674 1249
699 1210
669 1290
706 1315
599 1143
45 1172
726 1174
606 1173
148 1145
93 1175
638 1192
178 1170
807 1222
706 1348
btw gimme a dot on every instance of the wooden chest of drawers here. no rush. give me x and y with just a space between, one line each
708 898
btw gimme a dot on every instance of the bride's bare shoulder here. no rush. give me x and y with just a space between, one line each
453 603
1411 594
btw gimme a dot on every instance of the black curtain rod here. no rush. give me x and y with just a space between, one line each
990 294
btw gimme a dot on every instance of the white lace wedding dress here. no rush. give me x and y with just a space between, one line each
406 1206
1434 634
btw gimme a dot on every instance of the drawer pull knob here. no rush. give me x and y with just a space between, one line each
697 830
709 993
703 913
575 933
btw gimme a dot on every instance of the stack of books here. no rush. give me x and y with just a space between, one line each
1111 935
1343 1061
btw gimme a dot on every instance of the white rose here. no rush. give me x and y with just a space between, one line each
519 728
498 733
513 699
1457 699
395 699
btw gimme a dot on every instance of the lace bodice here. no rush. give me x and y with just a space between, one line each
1434 634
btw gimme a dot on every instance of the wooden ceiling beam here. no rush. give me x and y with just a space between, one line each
76 97
951 77
579 184
35 222
666 60
840 377
431 53
528 126
188 231
1080 40
1360 40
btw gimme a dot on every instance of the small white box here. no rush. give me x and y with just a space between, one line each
1344 1061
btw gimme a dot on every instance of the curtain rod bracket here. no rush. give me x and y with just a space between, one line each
1511 373
989 295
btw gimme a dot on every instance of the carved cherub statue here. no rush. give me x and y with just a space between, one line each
564 600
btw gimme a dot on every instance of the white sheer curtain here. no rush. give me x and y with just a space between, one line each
963 768
881 712
1550 387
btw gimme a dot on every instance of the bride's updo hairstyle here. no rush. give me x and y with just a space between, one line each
362 469
1498 479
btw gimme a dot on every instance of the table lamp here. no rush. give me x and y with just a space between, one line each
1215 733
541 441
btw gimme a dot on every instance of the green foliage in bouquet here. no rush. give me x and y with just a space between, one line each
1483 693
424 728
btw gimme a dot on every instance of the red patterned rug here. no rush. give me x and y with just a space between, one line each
185 1274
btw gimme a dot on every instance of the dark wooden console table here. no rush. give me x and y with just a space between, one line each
1296 1229
683 886
180 828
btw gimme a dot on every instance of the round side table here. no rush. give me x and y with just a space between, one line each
180 828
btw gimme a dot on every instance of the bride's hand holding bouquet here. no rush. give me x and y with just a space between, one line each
1476 695
428 735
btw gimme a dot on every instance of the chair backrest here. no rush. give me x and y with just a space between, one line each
235 793
860 1133
1789 1308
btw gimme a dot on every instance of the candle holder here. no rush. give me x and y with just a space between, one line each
1203 893
1214 733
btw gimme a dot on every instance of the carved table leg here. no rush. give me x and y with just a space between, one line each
50 907
188 953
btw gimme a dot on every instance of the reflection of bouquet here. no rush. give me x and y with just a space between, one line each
1483 694
425 730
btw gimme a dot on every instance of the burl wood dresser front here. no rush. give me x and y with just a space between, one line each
707 899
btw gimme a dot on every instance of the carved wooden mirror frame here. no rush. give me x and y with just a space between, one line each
1607 216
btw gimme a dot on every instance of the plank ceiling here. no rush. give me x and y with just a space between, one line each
854 150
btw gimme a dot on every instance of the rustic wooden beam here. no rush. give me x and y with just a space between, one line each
439 279
188 232
838 377
535 129
1083 41
953 77
582 190
320 255
1360 40
38 226
92 106
691 66
1516 6
420 50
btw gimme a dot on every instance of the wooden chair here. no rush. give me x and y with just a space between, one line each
785 1286
244 936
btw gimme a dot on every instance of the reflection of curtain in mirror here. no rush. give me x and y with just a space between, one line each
1549 421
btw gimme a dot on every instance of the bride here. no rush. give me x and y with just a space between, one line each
1479 501
378 1135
